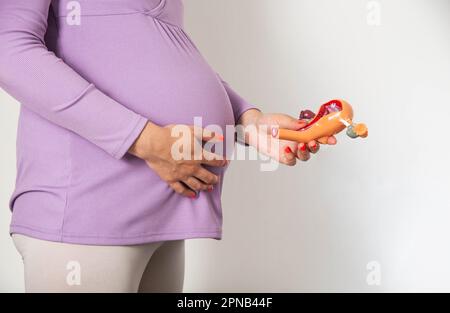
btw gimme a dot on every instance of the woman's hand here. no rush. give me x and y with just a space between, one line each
186 176
283 151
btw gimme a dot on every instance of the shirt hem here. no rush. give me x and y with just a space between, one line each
110 240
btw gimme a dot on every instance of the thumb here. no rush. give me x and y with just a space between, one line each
288 122
205 134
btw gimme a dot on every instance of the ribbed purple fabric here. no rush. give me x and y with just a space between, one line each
86 92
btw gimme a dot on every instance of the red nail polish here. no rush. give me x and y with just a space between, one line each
193 196
287 150
314 147
303 147
210 188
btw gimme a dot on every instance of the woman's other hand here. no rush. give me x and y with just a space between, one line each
186 176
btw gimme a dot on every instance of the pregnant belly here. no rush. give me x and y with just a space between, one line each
149 66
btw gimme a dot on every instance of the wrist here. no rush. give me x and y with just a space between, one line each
142 147
248 120
250 117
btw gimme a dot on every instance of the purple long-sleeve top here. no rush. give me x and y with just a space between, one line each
89 74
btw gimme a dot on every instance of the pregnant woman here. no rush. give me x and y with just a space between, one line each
100 204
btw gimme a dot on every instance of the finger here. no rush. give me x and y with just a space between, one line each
302 123
297 125
288 156
195 184
313 146
303 152
288 122
205 134
332 140
213 159
182 190
206 176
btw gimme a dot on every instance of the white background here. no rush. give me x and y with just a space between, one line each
316 226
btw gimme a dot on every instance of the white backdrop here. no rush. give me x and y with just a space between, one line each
316 227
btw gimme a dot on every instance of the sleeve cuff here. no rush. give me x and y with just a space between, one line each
238 114
135 130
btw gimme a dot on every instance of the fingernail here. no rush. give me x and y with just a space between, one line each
274 131
301 124
314 147
220 137
210 188
193 196
287 150
303 147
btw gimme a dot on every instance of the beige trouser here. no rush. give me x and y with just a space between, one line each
60 267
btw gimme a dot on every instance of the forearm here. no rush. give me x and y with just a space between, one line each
146 142
249 117
44 84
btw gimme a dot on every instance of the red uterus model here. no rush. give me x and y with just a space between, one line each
332 118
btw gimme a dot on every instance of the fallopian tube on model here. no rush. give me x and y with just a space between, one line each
332 118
